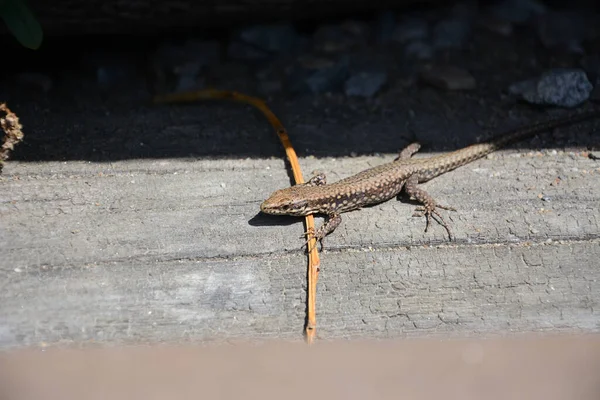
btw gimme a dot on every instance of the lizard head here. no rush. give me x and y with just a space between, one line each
284 202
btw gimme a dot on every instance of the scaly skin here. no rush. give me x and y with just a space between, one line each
381 183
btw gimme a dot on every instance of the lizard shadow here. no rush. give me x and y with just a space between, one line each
262 219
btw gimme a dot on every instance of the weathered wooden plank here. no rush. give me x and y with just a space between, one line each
436 291
171 251
77 213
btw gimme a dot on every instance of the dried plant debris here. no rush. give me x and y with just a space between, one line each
9 122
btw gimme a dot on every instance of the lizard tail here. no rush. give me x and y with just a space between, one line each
450 161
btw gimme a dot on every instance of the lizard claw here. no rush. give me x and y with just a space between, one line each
430 212
309 232
317 235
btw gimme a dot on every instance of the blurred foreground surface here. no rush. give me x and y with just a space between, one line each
527 367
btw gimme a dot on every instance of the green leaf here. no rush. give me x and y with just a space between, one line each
21 22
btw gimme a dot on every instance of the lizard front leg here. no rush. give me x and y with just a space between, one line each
332 222
429 204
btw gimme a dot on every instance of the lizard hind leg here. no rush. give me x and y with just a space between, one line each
429 207
317 180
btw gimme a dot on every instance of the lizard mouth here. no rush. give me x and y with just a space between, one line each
282 208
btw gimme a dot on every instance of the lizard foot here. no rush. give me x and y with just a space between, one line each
430 212
318 235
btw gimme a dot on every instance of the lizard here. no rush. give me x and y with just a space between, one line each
383 182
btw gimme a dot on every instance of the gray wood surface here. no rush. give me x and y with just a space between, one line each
173 250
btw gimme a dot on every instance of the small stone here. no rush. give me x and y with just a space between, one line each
449 78
411 29
594 155
419 50
365 84
563 87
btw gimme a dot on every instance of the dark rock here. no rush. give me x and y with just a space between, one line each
561 87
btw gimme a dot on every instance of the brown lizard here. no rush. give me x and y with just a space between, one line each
381 183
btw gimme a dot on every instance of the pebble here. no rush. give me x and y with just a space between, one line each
449 78
365 84
563 87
